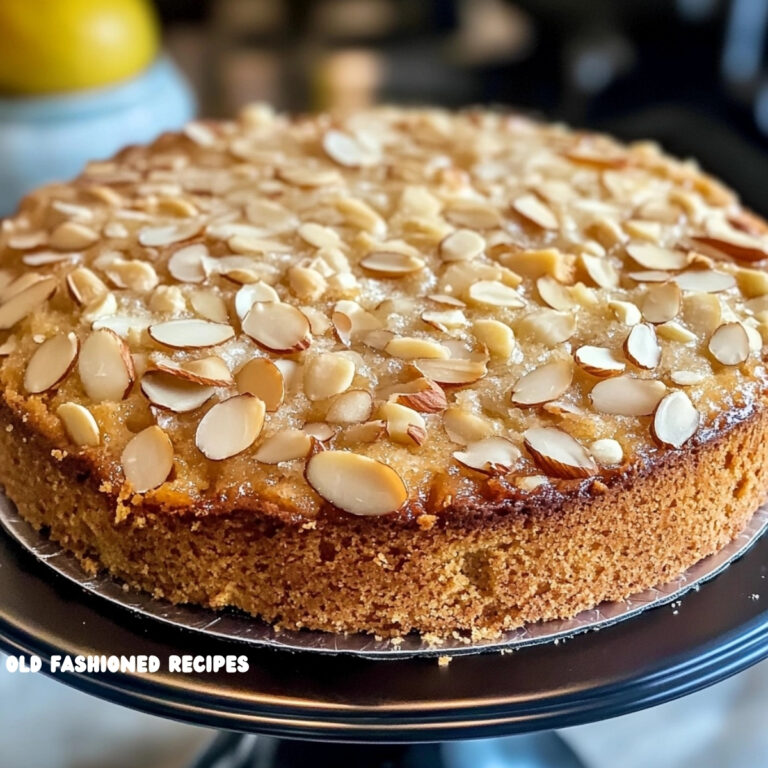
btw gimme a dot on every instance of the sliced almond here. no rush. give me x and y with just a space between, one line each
318 321
555 294
152 237
350 320
675 421
673 331
650 276
303 176
445 320
461 245
105 366
278 327
367 432
356 484
626 312
190 264
495 294
25 302
327 375
729 344
404 425
547 326
209 305
173 393
498 338
79 424
319 235
84 286
210 371
702 312
687 378
288 445
451 371
600 270
147 459
494 455
50 363
320 430
45 258
191 333
12 287
607 451
71 236
733 242
661 302
535 211
752 282
558 454
450 301
262 378
463 427
599 362
8 347
413 348
351 407
346 150
248 295
547 382
132 274
642 347
391 264
655 257
533 264
627 396
230 427
705 281
422 395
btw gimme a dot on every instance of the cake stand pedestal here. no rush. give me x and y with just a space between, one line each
403 703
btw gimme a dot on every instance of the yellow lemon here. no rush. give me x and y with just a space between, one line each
63 45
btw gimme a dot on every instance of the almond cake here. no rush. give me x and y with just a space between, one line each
390 371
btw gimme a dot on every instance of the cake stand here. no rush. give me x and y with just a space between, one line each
351 703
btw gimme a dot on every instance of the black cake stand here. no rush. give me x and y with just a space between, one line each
664 653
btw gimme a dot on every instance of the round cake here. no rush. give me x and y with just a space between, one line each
390 371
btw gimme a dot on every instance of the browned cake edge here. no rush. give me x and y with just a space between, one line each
384 575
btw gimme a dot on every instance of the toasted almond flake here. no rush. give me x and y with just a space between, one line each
84 286
547 382
327 375
655 257
306 284
44 258
350 320
729 344
547 326
558 454
751 326
191 333
79 424
24 241
705 281
319 235
555 294
450 301
8 347
752 282
461 245
211 371
391 264
71 236
378 339
600 270
278 327
153 237
209 305
413 348
687 378
262 378
12 286
26 301
737 244
404 425
421 395
230 427
348 151
451 371
493 455
445 320
171 392
598 361
287 445
673 331
50 363
360 215
642 347
190 264
661 302
248 295
101 314
650 276
607 451
627 396
675 421
535 264
471 215
356 484
105 366
351 407
498 338
495 294
463 427
303 176
147 459
273 216
320 430
535 211
626 312
367 432
134 274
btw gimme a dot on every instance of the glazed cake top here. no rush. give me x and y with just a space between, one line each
354 310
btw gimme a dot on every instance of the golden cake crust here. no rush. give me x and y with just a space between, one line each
394 371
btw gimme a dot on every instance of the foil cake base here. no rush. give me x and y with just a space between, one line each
238 626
